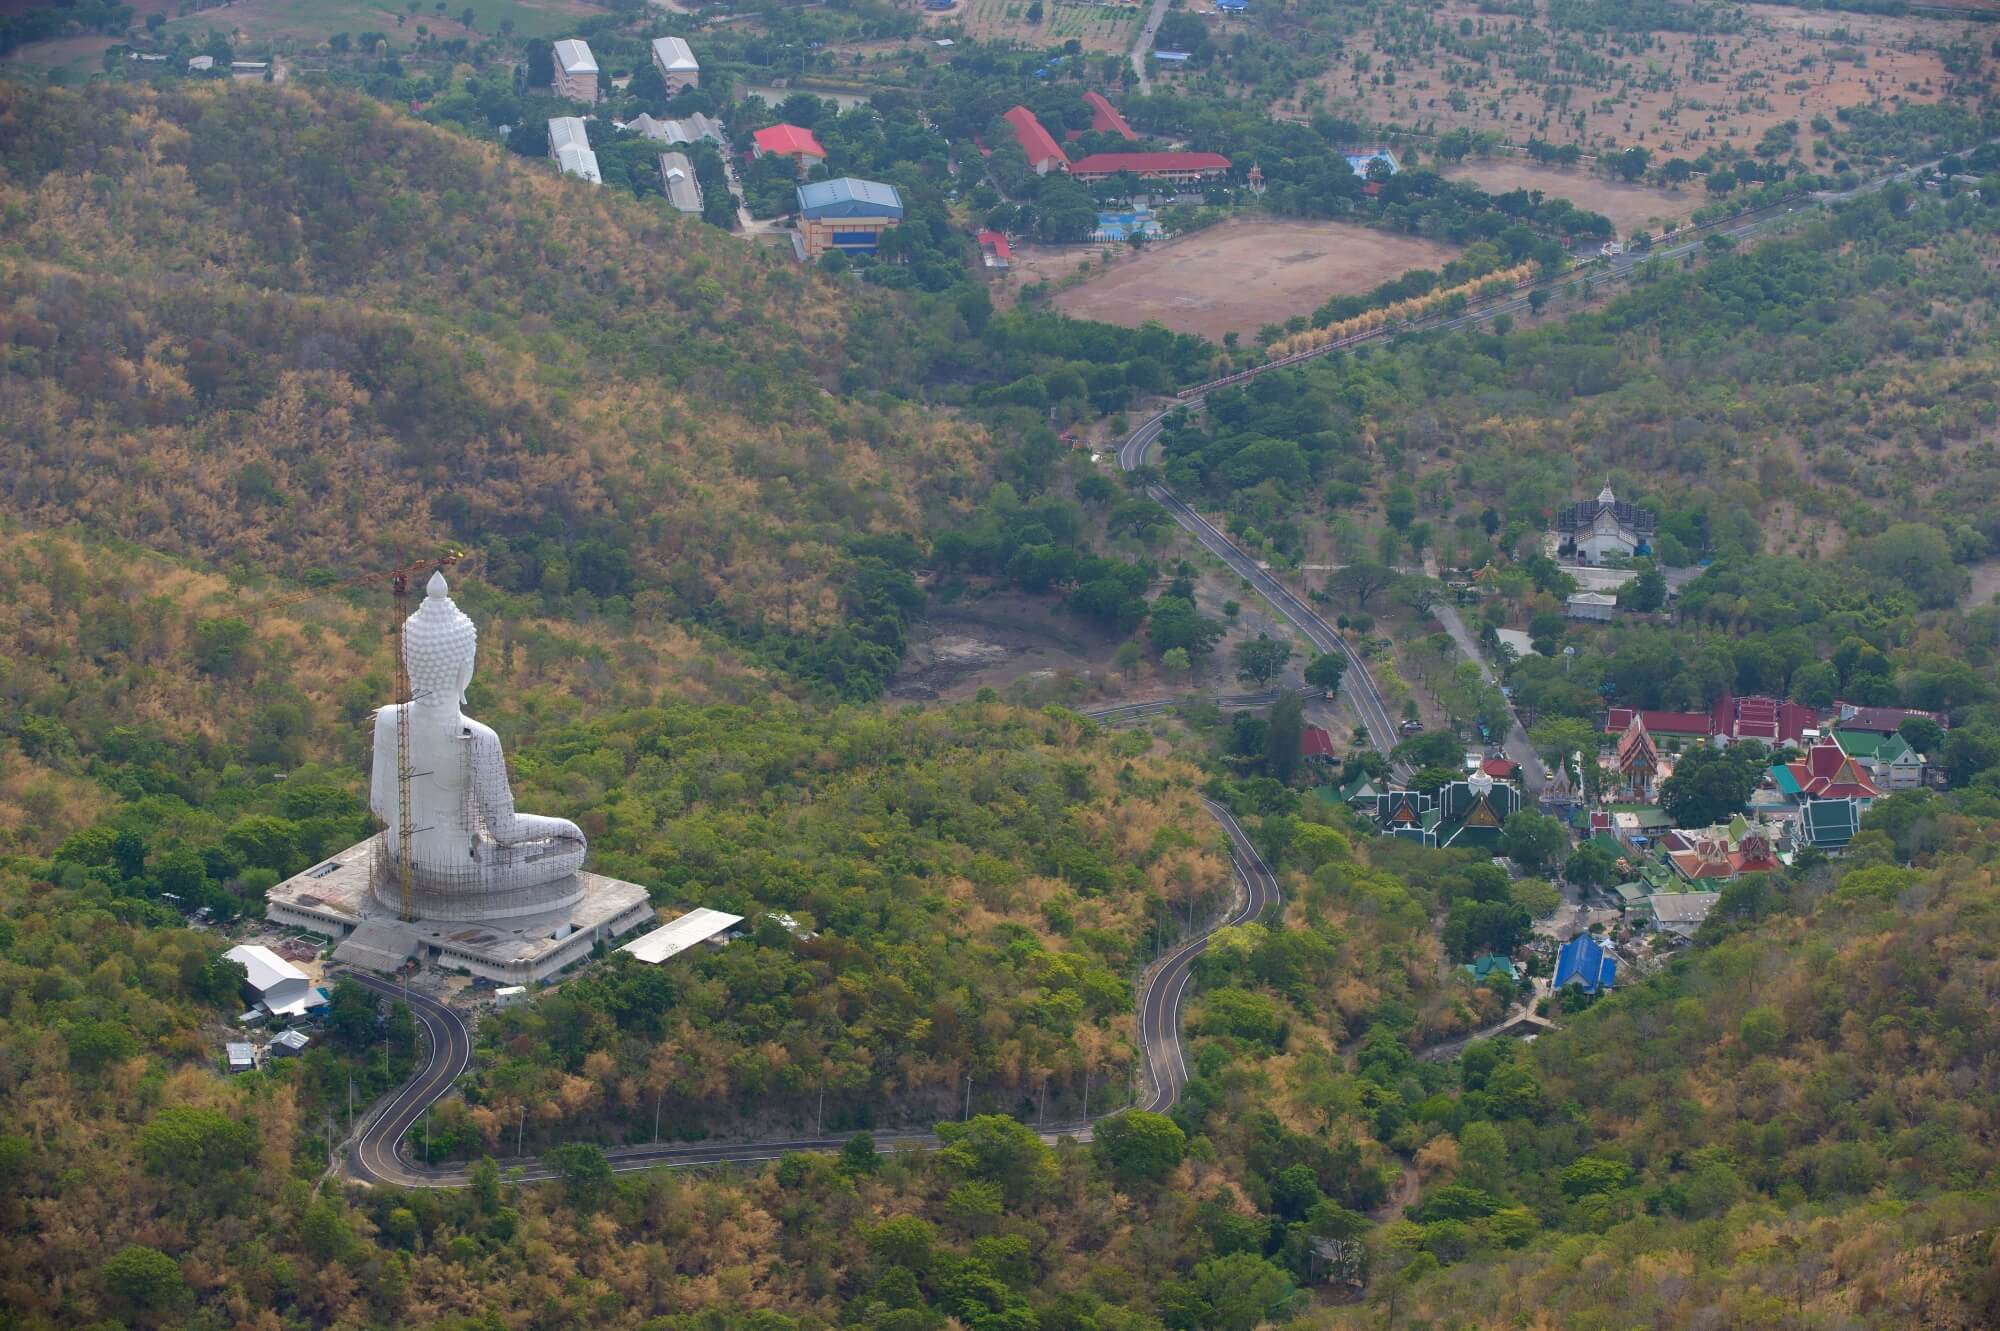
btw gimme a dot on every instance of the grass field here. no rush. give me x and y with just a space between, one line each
1098 27
1236 277
1677 93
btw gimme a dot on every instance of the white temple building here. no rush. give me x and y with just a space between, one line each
500 894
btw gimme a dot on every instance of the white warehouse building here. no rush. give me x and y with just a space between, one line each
282 989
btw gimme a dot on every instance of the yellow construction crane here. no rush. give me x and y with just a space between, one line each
399 592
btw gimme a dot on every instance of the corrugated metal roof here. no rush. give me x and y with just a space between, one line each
573 55
677 177
568 132
266 968
849 197
678 936
674 55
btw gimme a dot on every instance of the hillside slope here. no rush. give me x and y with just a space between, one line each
290 328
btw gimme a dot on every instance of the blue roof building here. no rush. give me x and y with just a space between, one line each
848 197
1231 6
1585 961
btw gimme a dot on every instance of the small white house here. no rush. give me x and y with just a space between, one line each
201 64
509 995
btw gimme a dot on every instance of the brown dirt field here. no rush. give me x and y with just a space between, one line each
1630 207
1668 96
1239 276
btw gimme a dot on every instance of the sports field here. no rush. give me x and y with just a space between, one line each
1236 277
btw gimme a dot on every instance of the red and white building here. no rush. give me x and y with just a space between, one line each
1044 153
1174 168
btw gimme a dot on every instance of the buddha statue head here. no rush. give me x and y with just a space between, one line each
439 642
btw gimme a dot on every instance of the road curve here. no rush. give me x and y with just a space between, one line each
1358 683
1165 992
372 1156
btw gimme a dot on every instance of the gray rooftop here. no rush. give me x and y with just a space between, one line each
574 57
677 178
849 197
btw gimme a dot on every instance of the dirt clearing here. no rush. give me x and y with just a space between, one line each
1237 277
1630 207
1458 66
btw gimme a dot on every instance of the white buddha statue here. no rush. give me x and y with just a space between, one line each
472 857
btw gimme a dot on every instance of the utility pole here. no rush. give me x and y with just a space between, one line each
520 1128
1086 1095
968 1097
819 1114
1042 1114
656 1114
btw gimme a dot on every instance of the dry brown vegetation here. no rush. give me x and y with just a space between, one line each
1678 93
289 329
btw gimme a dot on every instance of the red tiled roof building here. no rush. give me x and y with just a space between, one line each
787 141
1044 153
1104 117
1176 168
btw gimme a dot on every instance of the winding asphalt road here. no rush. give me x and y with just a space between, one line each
1358 684
373 1158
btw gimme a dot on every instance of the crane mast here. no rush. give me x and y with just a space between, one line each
399 588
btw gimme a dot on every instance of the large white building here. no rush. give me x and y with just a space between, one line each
1602 529
576 70
282 989
569 145
675 60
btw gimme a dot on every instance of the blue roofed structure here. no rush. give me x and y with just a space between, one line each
1586 962
849 197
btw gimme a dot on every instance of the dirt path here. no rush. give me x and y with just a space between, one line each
1401 1197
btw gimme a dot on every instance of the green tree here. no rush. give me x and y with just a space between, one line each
145 1278
1648 591
1140 1147
194 1145
1711 785
1917 557
1258 660
1325 671
1238 1291
1175 623
585 1174
1356 584
1533 839
1284 738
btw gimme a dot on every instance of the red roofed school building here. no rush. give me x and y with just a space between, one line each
1174 168
787 141
1104 117
1044 153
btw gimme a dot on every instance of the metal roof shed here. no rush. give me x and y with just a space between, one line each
677 936
849 197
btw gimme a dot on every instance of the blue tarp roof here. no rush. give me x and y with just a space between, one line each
1585 961
849 197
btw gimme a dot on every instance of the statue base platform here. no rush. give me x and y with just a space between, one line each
334 898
